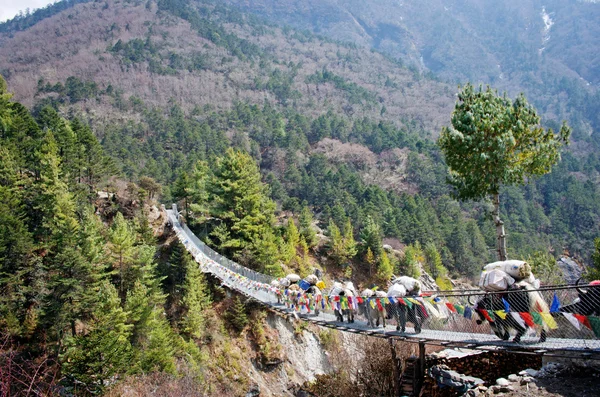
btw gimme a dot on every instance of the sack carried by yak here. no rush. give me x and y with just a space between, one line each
294 278
519 270
495 280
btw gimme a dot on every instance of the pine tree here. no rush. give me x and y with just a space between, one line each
92 164
121 237
384 268
182 191
292 239
593 272
370 236
15 246
196 299
266 255
198 194
157 349
236 316
350 246
240 200
105 351
370 260
306 226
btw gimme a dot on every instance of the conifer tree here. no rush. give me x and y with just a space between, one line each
158 348
493 142
105 351
384 268
15 245
266 253
306 226
236 316
92 164
121 237
350 246
196 299
370 260
240 201
370 236
292 239
303 260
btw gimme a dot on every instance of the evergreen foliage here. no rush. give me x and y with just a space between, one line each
494 142
236 316
196 299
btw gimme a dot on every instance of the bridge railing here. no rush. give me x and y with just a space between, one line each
215 256
552 311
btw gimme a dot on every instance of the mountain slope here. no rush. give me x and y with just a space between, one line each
547 49
194 66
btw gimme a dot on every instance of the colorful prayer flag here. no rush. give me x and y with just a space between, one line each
468 313
555 304
486 315
583 320
595 323
537 319
506 306
573 320
501 313
527 318
548 319
451 307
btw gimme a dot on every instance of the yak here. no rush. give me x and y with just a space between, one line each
343 290
403 313
373 314
588 303
521 298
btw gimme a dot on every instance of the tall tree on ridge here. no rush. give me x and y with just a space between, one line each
493 142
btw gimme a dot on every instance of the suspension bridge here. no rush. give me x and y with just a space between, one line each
449 315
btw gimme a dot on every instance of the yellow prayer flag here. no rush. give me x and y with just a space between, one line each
413 301
501 314
548 319
372 301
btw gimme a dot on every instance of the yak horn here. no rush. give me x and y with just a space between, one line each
580 290
469 300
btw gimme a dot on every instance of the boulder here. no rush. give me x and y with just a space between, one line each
502 382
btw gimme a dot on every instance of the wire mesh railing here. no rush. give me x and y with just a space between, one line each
551 317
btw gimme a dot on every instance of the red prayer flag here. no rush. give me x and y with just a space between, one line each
401 301
486 315
451 307
583 320
379 304
527 318
359 300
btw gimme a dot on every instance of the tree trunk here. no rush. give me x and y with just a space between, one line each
501 235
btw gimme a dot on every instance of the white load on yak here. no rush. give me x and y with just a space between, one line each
499 276
515 287
294 278
412 285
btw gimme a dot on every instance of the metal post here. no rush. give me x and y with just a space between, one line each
421 374
397 373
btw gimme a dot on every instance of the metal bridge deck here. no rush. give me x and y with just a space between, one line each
579 347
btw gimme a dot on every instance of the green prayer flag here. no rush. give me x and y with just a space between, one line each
537 319
460 309
595 323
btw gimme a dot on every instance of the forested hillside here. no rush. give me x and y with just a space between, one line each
335 127
547 49
286 151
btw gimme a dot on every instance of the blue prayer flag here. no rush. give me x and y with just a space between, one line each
506 306
468 312
555 304
392 300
